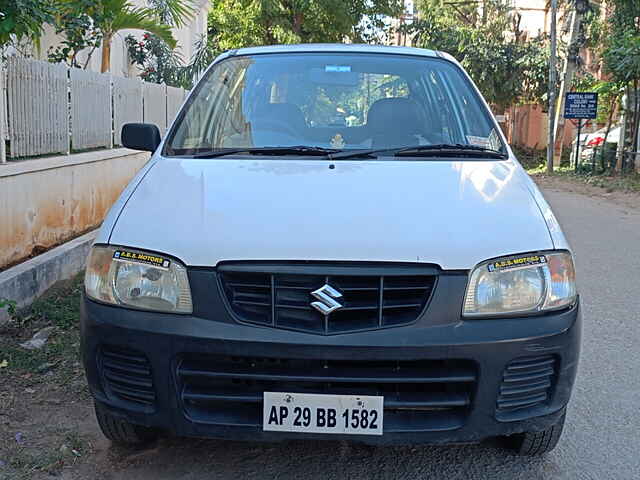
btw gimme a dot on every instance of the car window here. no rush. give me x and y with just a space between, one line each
332 100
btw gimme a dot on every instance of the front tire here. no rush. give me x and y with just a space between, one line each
537 443
122 432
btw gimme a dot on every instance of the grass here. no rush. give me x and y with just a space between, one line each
59 307
534 161
51 459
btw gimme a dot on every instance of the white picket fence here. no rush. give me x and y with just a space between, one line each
49 108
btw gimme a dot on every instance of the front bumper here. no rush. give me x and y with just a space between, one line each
163 345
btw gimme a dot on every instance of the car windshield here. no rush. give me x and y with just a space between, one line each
330 100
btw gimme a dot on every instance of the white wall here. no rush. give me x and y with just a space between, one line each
534 20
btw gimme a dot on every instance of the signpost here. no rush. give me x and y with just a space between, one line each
579 106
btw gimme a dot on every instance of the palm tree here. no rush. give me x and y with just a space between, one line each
173 12
115 15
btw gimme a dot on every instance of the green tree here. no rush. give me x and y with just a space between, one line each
79 32
239 23
114 15
621 53
489 44
21 19
172 12
161 64
158 61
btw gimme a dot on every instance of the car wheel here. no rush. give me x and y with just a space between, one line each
122 432
537 443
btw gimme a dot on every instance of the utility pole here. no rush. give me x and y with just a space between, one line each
570 63
552 85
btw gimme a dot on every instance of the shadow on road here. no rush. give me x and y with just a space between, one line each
179 458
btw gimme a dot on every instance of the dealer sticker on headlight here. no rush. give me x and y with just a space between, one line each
518 262
139 257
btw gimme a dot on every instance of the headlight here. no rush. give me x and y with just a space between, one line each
127 277
521 284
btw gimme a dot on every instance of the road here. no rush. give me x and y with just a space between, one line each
602 436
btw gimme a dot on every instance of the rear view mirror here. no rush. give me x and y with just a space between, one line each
141 136
335 75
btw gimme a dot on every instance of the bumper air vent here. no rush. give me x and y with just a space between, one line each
526 383
126 376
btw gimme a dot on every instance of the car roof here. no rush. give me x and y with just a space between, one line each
337 47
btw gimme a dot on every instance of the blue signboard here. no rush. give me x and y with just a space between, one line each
581 105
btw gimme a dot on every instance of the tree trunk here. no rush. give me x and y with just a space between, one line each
106 53
268 32
298 18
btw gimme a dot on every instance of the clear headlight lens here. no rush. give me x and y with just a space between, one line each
521 284
128 277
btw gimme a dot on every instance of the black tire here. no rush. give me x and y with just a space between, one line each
122 432
537 443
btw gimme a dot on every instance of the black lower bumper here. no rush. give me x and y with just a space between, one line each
453 383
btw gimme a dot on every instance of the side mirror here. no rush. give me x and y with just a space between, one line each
140 136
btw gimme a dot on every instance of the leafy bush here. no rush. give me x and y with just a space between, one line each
8 305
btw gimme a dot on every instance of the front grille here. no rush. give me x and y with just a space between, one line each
526 382
283 300
126 376
419 396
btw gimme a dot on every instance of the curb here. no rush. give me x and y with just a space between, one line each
28 280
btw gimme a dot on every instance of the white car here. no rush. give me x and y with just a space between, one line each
274 274
589 142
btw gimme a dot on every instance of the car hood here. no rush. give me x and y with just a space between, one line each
451 213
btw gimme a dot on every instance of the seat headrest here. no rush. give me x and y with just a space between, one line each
394 113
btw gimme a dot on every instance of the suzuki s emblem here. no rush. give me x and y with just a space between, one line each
327 296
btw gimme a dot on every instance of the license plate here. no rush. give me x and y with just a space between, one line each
315 413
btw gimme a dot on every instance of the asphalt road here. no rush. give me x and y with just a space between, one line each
602 435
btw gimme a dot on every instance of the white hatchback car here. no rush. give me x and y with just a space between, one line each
332 241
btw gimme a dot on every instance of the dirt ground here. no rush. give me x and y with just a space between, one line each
47 424
628 199
48 429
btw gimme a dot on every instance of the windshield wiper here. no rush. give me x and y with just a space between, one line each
292 150
451 149
440 149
